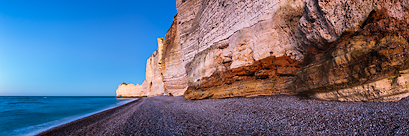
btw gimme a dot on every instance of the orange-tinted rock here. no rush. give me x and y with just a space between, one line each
324 21
346 50
364 66
264 77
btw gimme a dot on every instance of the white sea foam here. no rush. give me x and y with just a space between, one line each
36 129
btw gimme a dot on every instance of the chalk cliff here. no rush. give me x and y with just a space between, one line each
153 84
368 62
330 50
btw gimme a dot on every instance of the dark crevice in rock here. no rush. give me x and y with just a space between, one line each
375 52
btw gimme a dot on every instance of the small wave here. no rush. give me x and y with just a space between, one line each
49 125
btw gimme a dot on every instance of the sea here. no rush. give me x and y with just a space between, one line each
30 115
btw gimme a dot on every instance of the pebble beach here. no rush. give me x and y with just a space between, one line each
262 115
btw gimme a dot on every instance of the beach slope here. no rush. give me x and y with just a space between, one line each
262 115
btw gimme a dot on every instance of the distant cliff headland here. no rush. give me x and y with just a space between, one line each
330 50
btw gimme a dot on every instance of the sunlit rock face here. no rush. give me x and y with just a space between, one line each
153 84
227 43
346 50
330 50
154 80
130 90
174 74
164 74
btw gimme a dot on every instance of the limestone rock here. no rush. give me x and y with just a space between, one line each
164 74
153 84
129 90
264 77
155 80
323 21
225 42
174 74
204 23
325 49
366 65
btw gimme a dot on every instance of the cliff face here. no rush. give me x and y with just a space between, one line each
129 90
153 84
174 74
164 74
239 48
331 50
368 62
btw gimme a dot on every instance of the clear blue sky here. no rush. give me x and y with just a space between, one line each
77 47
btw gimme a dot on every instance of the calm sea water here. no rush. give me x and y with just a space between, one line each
25 115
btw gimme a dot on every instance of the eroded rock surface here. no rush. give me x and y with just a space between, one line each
153 84
325 49
264 77
129 90
164 74
370 64
174 74
236 44
324 21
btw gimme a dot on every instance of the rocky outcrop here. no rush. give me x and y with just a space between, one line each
230 44
129 90
324 21
370 64
263 77
153 84
174 74
330 50
164 74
